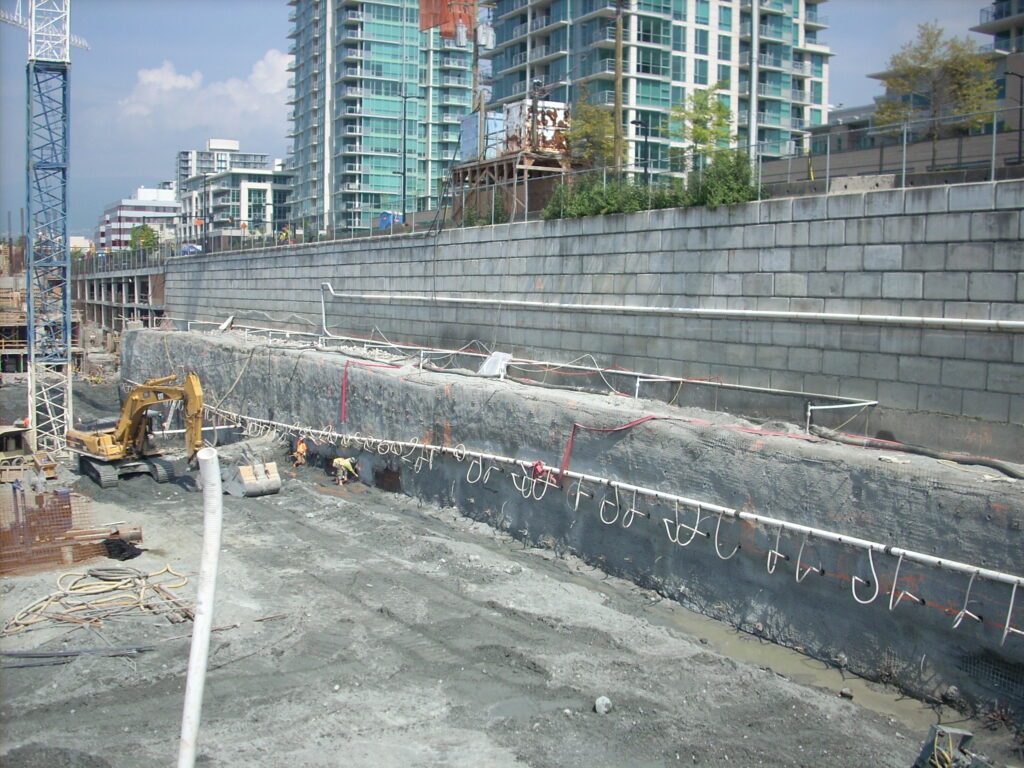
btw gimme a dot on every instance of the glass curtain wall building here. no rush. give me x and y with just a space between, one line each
376 108
672 47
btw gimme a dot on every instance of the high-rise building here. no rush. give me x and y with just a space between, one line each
220 155
1004 20
156 208
670 48
376 111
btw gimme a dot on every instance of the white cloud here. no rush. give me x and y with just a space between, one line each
164 99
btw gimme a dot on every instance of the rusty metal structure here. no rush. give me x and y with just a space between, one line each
505 187
50 528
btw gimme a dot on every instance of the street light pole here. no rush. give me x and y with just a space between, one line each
647 149
1020 116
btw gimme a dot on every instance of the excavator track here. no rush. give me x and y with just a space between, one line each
161 470
104 475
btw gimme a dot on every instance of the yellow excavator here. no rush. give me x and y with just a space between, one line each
127 447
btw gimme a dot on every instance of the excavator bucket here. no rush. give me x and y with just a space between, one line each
255 479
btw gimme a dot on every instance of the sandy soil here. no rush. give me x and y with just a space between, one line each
411 636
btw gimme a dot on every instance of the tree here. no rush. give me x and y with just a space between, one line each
704 122
939 78
590 136
144 238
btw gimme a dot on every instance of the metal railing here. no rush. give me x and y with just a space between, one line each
904 152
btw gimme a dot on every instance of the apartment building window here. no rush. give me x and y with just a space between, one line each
725 19
724 75
651 61
700 71
678 67
678 96
703 15
652 93
700 42
679 39
816 92
679 10
653 31
725 47
655 6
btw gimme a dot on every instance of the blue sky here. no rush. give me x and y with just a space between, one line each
165 75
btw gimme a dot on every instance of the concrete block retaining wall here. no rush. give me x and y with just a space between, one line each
937 252
919 504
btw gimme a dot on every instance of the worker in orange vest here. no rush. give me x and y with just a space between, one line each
300 453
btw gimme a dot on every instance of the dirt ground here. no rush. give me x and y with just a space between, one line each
407 635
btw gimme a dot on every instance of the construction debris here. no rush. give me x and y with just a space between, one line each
89 599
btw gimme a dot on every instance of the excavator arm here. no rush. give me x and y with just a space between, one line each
129 436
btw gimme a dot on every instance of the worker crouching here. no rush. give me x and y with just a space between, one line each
344 470
299 455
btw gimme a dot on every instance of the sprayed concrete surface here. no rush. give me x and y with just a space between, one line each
413 635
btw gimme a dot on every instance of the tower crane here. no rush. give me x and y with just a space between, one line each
48 259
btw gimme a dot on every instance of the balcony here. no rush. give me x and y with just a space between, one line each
457 81
764 32
353 168
520 29
353 130
353 54
512 7
766 61
450 118
592 9
354 93
815 19
352 73
352 17
545 52
605 36
449 62
353 35
996 12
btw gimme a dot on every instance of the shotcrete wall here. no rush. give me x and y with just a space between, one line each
910 501
937 252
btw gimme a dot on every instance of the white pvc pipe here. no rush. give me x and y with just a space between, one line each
209 470
738 314
527 465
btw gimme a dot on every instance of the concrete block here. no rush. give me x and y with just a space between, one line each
883 257
924 256
941 343
851 386
845 206
767 356
845 258
772 303
826 233
823 336
790 284
729 237
887 202
994 347
904 229
991 286
879 366
808 259
972 197
1006 377
963 374
945 285
788 334
996 225
805 360
839 363
661 261
770 211
757 284
1010 194
746 260
1001 310
821 384
991 406
948 227
792 233
843 306
1018 350
860 285
758 236
825 285
728 285
699 284
970 256
810 208
926 200
786 380
807 305
881 306
939 399
865 231
717 261
897 394
1008 256
903 285
861 339
775 260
